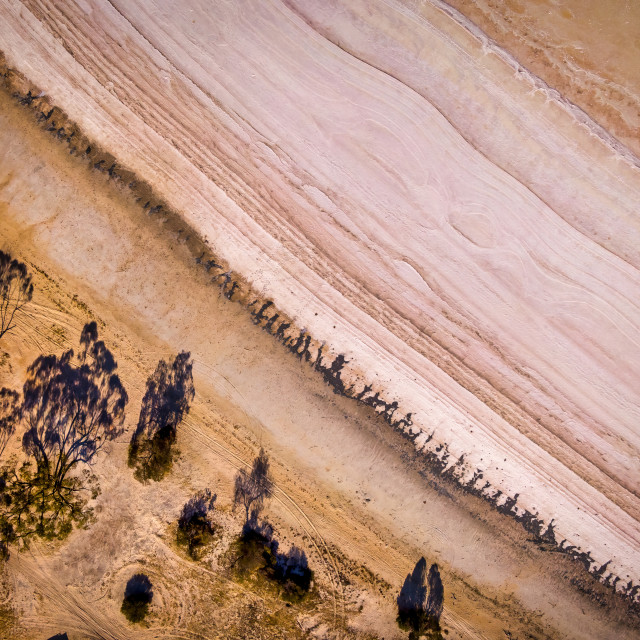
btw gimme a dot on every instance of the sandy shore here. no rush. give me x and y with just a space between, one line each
586 50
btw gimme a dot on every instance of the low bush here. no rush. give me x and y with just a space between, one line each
195 528
137 598
257 550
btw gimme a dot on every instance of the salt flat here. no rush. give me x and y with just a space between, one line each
467 239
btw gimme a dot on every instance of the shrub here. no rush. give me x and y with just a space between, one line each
292 570
194 524
137 598
259 551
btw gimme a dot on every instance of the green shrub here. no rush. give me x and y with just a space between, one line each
257 551
195 528
137 598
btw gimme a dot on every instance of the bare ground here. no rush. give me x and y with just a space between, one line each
349 490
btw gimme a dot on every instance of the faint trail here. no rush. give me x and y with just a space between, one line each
284 499
82 616
34 317
92 623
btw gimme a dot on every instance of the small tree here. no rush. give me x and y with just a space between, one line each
435 601
72 406
16 290
167 398
292 569
420 602
138 595
252 489
194 525
10 411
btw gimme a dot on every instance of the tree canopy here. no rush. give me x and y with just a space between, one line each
16 290
194 524
72 406
254 487
167 399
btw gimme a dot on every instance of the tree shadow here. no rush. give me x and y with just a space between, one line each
137 598
72 406
420 602
16 290
167 399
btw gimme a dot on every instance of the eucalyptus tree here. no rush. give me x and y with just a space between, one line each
16 290
72 406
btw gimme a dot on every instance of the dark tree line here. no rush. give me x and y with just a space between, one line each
16 290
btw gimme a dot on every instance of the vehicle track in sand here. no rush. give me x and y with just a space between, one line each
82 616
288 503
293 506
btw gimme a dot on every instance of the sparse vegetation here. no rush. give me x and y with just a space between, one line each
257 552
72 406
16 290
167 399
420 602
195 527
137 598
